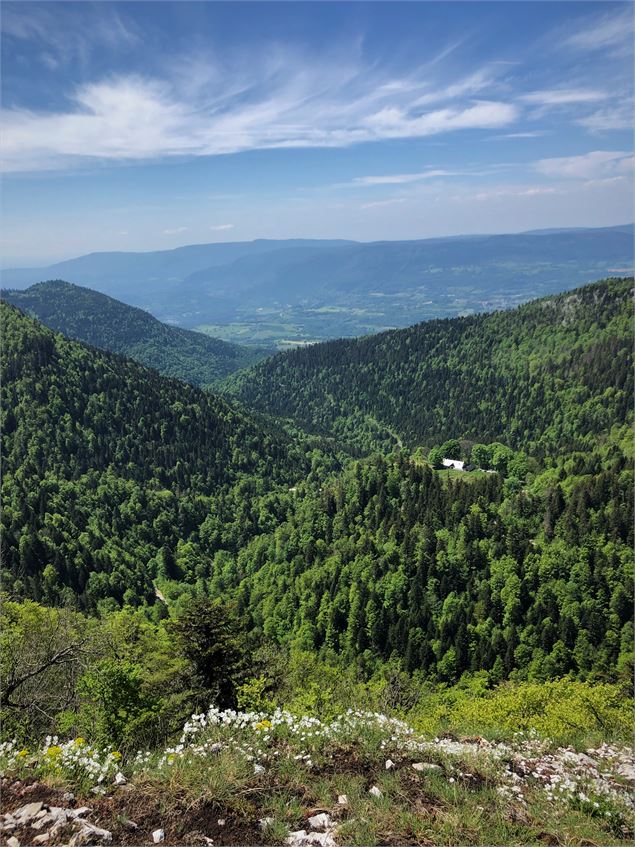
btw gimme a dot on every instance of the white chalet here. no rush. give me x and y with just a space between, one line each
454 463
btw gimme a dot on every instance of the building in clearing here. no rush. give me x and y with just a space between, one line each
454 463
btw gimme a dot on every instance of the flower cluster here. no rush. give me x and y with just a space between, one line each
596 781
76 761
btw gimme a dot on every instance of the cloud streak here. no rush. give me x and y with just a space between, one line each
401 179
280 100
598 164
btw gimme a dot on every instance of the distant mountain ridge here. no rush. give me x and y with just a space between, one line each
304 290
101 321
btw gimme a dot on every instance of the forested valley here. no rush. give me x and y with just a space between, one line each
434 524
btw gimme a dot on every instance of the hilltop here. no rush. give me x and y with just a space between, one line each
551 376
101 321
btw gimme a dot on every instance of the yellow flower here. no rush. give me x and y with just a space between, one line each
54 751
80 741
263 725
116 755
23 753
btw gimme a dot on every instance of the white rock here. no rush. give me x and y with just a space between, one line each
258 769
221 821
426 766
296 839
13 842
158 836
375 792
321 821
322 839
265 822
627 771
45 820
389 764
29 811
88 833
41 839
120 779
342 800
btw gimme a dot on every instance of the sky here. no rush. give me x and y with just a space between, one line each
149 125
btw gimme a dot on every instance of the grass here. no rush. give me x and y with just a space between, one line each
243 778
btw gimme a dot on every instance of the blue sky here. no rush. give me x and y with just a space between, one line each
142 126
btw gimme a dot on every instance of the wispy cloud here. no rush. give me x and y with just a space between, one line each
401 179
598 164
378 204
603 31
221 227
535 133
175 231
609 118
563 96
68 33
278 100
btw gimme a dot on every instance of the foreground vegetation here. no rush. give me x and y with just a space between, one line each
114 710
361 779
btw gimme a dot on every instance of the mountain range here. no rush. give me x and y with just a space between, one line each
278 293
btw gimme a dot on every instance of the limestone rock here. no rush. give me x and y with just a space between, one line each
321 821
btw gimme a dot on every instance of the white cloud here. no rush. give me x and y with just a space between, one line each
563 96
277 100
597 164
175 231
68 33
603 32
221 227
537 133
392 201
609 118
400 179
512 191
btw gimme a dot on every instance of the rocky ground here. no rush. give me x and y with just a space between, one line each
246 779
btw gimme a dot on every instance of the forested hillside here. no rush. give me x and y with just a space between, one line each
549 377
107 464
103 322
471 574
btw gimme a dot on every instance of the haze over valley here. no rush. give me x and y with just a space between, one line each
283 293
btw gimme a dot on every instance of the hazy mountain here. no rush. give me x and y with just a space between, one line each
143 277
278 292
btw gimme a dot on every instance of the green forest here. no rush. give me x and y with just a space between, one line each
109 324
547 378
298 544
